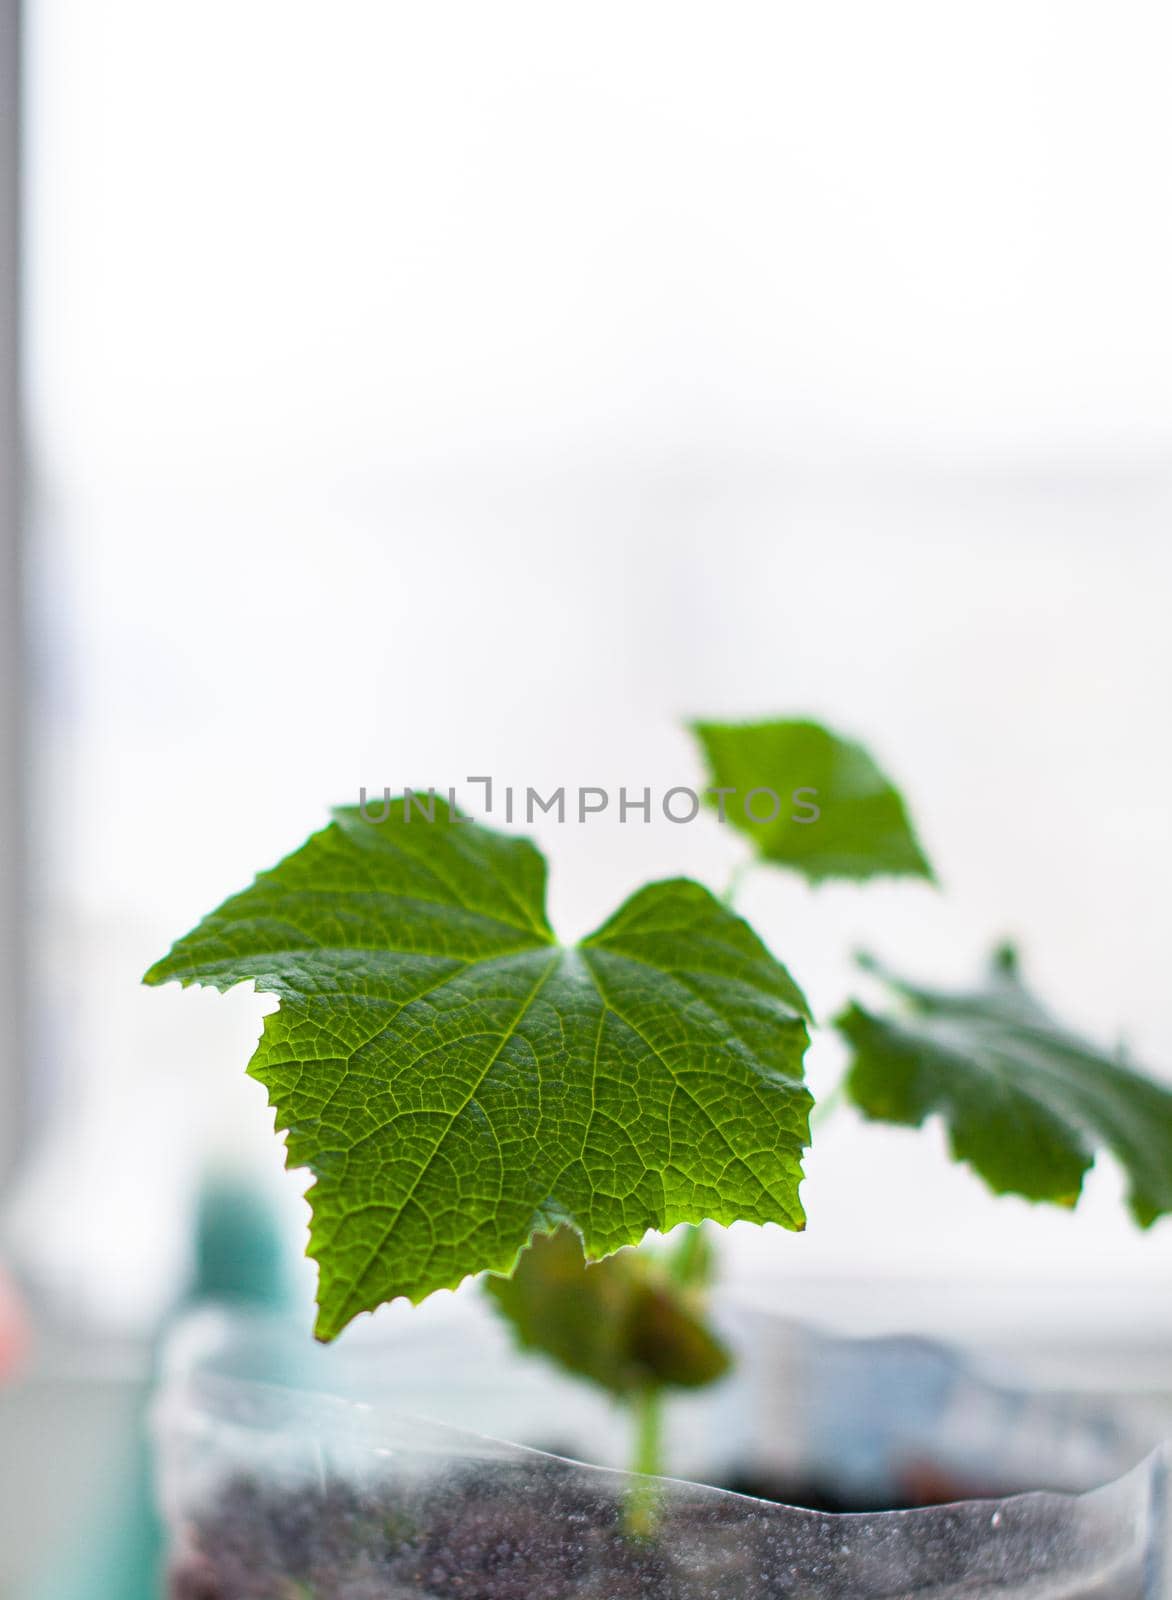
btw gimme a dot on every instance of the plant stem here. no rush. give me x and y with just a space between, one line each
737 877
828 1105
686 1261
648 1432
640 1515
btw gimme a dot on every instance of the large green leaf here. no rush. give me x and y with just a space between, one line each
625 1323
809 800
456 1080
1027 1102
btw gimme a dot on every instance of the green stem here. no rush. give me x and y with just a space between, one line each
648 1433
737 877
642 1498
829 1104
686 1260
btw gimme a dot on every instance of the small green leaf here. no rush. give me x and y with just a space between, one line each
622 1323
809 800
456 1080
1026 1101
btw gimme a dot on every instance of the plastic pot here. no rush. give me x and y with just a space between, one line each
272 1491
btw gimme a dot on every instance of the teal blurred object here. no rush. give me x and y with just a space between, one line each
240 1252
241 1257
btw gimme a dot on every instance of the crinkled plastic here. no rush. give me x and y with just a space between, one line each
272 1492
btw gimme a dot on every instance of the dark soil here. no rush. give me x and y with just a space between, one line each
545 1530
469 1540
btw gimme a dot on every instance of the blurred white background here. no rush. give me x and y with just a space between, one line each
424 391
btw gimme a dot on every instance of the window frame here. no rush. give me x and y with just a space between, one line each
14 959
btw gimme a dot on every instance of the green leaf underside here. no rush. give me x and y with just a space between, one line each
862 830
1026 1102
455 1080
621 1323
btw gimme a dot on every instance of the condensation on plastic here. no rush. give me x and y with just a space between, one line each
272 1492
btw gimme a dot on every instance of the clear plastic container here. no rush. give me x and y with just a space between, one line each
274 1492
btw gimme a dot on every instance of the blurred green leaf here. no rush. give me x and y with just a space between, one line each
625 1323
837 814
1026 1101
